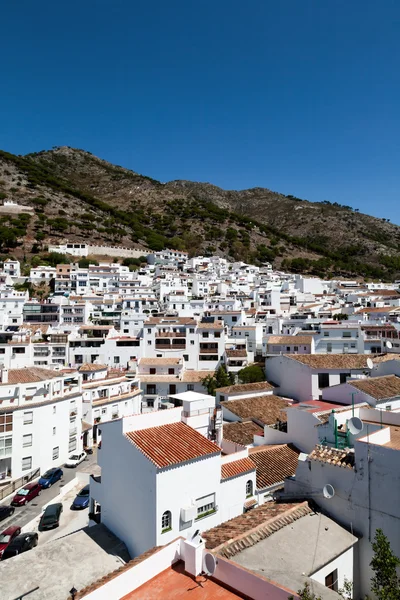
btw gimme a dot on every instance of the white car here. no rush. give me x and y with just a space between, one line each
75 459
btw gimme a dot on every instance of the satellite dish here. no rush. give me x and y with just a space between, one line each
355 425
370 364
328 491
209 564
389 345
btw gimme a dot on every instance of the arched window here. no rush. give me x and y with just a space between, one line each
166 521
249 488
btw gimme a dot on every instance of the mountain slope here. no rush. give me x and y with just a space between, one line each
79 196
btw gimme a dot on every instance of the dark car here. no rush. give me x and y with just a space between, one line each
51 476
51 516
21 543
6 511
81 499
26 494
7 537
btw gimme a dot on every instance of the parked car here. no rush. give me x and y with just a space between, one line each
6 511
21 543
81 499
51 476
75 459
51 516
7 537
26 494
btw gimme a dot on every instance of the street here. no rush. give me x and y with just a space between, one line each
25 514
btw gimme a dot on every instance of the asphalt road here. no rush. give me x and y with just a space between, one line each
25 514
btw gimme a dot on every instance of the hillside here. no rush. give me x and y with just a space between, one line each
77 196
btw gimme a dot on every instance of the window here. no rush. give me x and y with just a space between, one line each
5 446
205 334
222 398
27 463
149 342
331 581
323 380
186 357
346 334
191 330
234 319
72 444
205 505
153 371
116 360
249 488
287 348
27 440
171 371
19 350
56 452
166 521
326 333
149 331
388 407
54 410
28 417
217 334
296 348
343 377
192 342
329 347
190 387
54 431
103 411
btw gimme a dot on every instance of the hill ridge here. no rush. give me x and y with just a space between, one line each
77 195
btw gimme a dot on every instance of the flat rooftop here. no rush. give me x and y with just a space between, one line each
317 539
76 560
174 584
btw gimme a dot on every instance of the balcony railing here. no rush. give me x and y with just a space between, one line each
170 346
170 334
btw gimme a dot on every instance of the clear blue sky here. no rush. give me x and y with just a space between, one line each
301 96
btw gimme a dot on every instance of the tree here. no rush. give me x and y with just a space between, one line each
221 379
251 374
306 594
385 583
340 317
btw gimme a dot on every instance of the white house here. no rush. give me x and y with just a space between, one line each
40 420
175 479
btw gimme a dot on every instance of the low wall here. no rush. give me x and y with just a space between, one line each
117 252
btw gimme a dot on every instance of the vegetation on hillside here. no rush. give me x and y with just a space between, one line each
78 196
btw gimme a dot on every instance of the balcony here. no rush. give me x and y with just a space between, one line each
179 346
170 334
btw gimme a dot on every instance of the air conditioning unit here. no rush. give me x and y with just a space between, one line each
188 513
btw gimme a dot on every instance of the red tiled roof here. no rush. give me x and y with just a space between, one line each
241 432
246 387
237 467
274 463
172 444
31 375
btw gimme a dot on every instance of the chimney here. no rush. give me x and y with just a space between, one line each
193 553
4 375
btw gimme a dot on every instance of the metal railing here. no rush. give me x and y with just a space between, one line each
11 487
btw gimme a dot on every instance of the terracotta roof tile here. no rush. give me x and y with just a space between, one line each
172 444
379 388
260 386
258 524
331 361
92 367
30 375
241 433
266 409
332 456
274 463
237 467
290 339
195 376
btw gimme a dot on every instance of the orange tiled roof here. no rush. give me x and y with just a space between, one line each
246 387
89 367
261 522
267 409
274 463
160 361
339 458
30 375
236 353
237 467
331 361
172 444
241 433
378 387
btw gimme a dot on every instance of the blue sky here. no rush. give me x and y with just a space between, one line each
301 97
